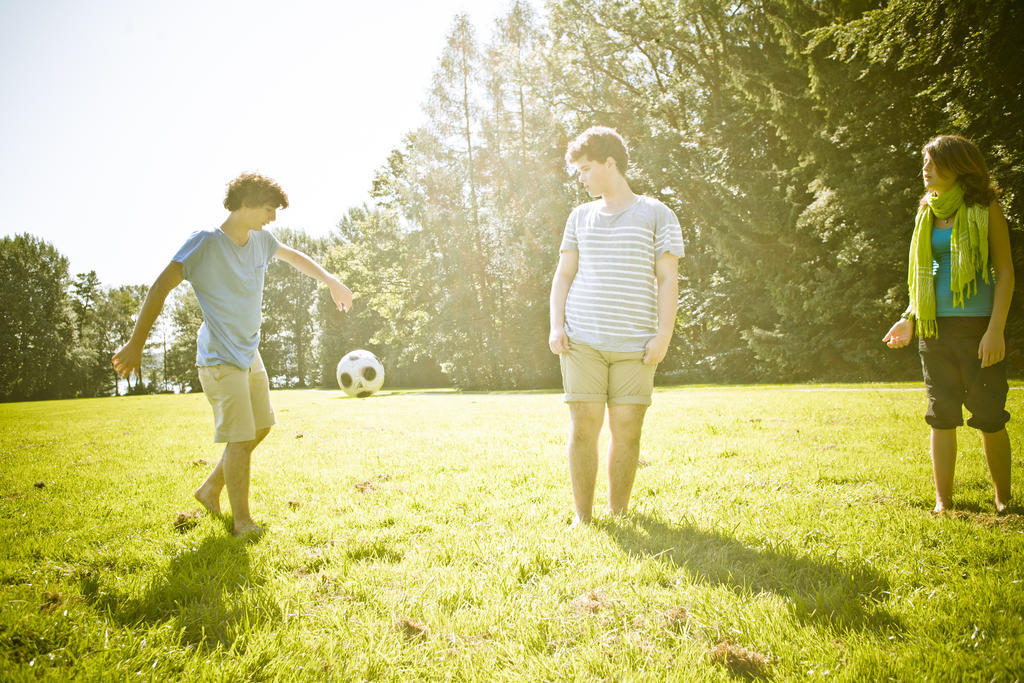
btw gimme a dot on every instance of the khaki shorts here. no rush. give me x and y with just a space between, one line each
612 377
240 400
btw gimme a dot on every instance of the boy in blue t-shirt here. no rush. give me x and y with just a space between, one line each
226 268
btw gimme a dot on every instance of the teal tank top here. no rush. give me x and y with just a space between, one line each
976 306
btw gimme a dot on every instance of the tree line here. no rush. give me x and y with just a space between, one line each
785 134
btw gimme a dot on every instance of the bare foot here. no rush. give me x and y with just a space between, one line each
209 501
248 529
940 509
1001 508
577 523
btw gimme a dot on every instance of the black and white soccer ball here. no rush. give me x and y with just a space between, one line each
360 374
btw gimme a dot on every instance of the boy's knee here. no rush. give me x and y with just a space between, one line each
586 421
260 435
585 433
236 449
248 446
586 411
627 436
626 420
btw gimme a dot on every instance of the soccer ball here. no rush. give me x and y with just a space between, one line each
360 373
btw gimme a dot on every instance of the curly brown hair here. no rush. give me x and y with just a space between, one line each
961 157
253 189
597 143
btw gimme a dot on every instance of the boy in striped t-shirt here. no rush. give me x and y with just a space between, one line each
613 310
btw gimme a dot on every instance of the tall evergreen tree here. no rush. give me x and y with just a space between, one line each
91 352
525 198
889 79
37 323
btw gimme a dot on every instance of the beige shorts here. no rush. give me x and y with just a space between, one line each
240 400
612 377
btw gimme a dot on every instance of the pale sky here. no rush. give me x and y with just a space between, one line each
122 121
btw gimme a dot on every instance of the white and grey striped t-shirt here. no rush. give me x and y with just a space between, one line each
613 300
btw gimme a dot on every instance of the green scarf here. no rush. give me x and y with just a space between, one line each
969 254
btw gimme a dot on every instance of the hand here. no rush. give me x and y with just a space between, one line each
656 349
126 359
900 334
992 348
341 294
558 341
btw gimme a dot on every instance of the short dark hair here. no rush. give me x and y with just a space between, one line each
957 155
252 189
597 143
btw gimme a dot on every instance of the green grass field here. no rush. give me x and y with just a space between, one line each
776 532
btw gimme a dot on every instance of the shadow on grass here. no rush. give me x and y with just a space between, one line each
206 592
817 590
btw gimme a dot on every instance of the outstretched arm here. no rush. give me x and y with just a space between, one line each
129 356
341 294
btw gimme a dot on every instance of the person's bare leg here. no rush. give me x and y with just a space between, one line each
209 492
237 456
997 454
586 419
234 475
626 422
943 466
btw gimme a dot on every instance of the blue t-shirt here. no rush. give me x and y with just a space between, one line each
976 305
228 282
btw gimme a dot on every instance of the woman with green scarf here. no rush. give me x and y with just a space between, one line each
960 281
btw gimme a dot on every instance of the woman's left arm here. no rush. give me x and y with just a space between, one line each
993 344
